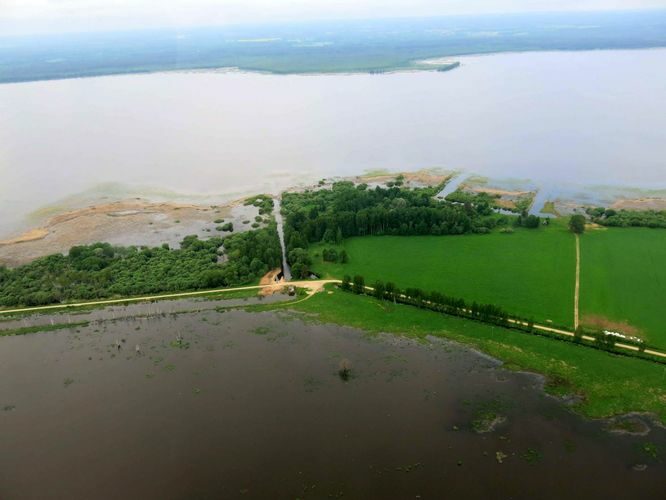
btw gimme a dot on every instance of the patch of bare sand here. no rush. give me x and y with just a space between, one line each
646 203
603 323
31 235
127 222
421 177
270 278
504 198
503 193
506 204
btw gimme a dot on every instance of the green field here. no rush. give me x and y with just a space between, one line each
530 273
608 384
623 280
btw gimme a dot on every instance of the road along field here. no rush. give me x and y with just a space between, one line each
530 273
623 282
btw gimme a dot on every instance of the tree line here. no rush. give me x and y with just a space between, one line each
101 270
486 313
434 301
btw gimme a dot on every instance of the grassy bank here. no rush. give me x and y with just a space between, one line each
607 384
530 273
623 281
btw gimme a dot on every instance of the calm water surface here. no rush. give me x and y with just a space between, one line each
252 406
595 117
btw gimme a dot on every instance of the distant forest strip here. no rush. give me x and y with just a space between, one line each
366 45
102 271
628 218
491 314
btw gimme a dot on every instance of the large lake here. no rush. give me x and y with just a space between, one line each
591 117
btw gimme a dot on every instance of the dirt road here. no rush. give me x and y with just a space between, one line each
577 288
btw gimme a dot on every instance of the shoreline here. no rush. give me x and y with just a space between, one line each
410 66
140 218
126 222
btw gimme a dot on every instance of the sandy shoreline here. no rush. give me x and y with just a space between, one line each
126 222
141 222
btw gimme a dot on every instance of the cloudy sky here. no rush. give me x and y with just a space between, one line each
37 16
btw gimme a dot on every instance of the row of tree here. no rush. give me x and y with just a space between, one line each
435 301
487 313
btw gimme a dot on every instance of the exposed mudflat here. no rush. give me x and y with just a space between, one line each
128 222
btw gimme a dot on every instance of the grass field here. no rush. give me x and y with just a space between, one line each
623 281
609 384
531 273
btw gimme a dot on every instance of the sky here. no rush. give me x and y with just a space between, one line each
62 16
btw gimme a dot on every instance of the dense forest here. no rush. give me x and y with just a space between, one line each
628 218
101 270
346 210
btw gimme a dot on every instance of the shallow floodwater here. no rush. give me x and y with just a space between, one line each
251 405
587 117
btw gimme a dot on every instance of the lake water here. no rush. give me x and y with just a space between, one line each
588 117
252 406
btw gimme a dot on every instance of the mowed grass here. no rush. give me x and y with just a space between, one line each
609 384
530 273
623 280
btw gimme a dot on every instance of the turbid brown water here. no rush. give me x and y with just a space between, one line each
252 405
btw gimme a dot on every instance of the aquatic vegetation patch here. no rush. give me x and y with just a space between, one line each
42 328
261 330
179 343
532 456
486 421
650 449
488 414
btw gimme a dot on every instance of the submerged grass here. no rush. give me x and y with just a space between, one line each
42 329
605 384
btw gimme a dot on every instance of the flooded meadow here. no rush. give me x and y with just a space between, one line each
228 403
